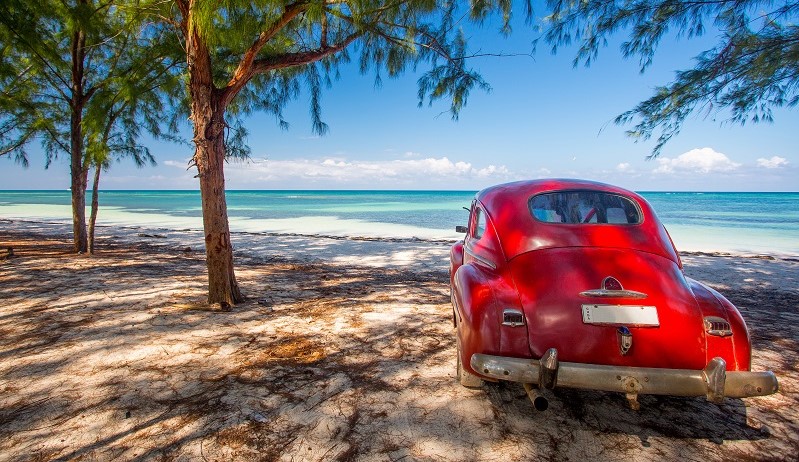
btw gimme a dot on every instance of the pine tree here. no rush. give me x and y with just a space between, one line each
76 76
245 56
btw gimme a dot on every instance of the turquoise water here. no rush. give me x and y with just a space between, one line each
766 223
426 209
736 222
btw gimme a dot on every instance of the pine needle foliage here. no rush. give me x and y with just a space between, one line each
265 53
126 72
753 69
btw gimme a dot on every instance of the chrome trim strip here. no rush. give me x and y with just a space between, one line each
613 293
480 260
709 382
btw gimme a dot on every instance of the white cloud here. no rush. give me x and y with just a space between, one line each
704 160
624 167
334 163
184 164
774 162
374 173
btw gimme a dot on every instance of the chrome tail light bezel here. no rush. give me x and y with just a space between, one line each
512 317
717 326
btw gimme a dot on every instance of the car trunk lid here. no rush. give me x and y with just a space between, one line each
590 302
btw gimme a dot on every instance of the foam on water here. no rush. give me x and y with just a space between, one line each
736 241
303 225
333 226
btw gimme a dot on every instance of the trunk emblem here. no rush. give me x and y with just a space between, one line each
625 338
612 288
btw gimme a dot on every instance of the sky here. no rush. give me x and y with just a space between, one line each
542 118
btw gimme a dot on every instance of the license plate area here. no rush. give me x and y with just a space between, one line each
628 315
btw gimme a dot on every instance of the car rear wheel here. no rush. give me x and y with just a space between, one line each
465 378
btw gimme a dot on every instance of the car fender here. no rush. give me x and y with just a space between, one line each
736 349
455 260
476 311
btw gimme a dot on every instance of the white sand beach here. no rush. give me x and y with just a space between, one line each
344 350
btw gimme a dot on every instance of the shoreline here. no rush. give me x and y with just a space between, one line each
172 234
743 224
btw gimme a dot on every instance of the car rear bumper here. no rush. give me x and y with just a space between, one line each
714 381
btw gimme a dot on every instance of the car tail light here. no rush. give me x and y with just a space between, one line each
717 326
512 317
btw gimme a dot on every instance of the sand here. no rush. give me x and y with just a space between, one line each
343 351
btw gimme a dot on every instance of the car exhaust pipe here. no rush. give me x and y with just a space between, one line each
540 403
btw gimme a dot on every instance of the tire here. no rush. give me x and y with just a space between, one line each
465 378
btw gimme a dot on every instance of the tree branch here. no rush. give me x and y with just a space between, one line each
244 71
183 6
263 65
21 141
272 63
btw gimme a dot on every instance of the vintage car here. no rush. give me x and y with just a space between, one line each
577 284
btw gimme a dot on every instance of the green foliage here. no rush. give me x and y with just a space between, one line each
19 120
126 71
753 69
452 81
300 45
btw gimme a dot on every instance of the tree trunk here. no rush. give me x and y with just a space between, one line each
78 186
222 285
207 115
77 171
95 206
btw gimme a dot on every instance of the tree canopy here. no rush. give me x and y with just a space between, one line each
265 53
753 69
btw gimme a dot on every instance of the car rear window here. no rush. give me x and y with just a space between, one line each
584 207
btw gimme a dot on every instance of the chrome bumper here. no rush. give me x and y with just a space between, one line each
714 381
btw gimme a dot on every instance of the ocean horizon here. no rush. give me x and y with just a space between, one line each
735 222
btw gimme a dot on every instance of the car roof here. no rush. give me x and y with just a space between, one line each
507 206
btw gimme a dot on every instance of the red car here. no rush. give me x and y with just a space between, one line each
577 284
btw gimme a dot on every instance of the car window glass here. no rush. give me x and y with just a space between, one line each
584 207
480 225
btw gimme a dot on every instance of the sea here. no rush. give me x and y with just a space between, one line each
729 222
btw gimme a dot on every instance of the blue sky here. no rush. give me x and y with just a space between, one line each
543 118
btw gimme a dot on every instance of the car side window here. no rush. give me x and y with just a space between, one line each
480 223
